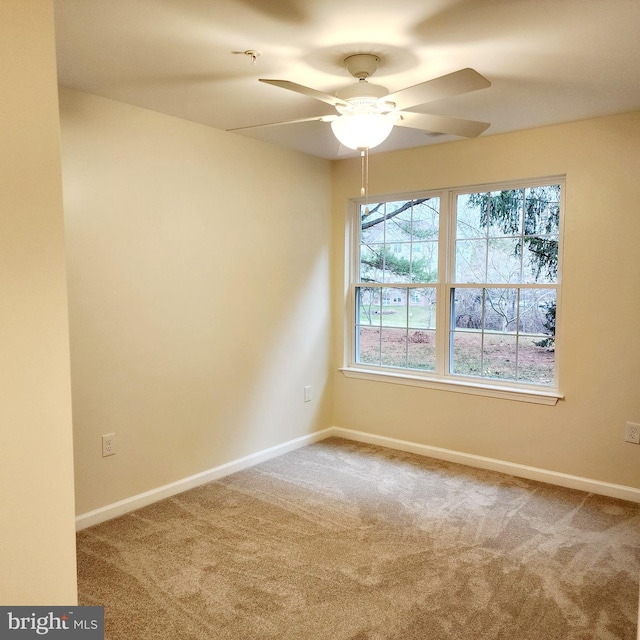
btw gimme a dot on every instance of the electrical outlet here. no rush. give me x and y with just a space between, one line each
307 393
632 433
109 445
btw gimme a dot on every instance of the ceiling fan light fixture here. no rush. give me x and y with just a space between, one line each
363 130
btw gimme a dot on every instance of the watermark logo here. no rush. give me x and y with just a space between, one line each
68 623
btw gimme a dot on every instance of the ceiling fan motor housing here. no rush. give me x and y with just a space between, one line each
364 96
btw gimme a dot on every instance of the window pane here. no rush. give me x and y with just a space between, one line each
536 364
422 350
540 260
504 260
422 308
425 219
398 222
372 223
505 213
469 218
501 310
499 356
467 308
371 263
397 263
541 226
368 306
424 262
471 261
466 353
394 307
368 346
393 351
542 211
538 311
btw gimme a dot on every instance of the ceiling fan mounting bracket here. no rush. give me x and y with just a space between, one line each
361 65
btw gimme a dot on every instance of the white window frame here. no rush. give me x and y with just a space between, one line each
440 378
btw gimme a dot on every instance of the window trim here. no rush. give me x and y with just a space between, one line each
441 379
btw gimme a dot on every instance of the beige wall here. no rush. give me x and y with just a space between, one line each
37 542
198 265
599 331
199 306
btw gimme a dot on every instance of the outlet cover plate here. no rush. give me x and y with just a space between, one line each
108 445
632 433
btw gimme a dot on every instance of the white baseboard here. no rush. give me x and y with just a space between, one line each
121 507
521 471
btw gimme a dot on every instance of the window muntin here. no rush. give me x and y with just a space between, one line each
508 236
499 334
491 315
395 325
506 241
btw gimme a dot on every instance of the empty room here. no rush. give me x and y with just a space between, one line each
321 318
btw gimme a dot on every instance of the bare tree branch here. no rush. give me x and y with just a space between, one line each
407 205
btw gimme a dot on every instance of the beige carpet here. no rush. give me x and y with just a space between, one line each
344 541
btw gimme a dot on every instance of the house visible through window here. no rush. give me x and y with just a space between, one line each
459 284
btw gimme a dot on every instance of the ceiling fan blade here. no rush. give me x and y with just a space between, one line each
328 118
306 91
442 124
453 84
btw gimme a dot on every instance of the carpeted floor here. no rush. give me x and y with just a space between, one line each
345 541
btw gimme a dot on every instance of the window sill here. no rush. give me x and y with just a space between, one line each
457 386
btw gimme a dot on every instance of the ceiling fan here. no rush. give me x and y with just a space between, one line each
368 112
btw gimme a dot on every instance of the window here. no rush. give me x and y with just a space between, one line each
459 286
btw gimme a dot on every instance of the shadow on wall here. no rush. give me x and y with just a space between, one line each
198 299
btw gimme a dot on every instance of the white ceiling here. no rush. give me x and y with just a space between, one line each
549 61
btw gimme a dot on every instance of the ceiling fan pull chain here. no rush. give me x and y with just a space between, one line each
364 169
366 175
